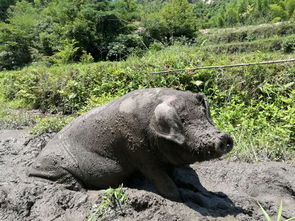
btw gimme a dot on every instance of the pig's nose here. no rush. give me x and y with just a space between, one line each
225 144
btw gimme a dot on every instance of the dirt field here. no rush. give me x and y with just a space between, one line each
214 190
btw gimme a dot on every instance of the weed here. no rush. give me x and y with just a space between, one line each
279 216
50 124
112 199
288 45
15 119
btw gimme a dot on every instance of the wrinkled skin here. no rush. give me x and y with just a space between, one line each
148 130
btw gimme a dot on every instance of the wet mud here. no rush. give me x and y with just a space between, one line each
212 190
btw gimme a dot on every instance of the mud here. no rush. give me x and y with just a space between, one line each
213 190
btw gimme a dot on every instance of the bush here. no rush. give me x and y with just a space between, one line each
16 120
86 58
288 45
175 19
16 36
125 45
156 46
66 54
50 124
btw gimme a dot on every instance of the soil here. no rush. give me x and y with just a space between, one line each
213 190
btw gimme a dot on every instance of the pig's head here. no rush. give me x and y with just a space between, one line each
184 132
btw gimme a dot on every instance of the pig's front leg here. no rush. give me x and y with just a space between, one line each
185 177
163 183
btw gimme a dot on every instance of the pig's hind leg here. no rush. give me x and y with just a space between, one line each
49 167
99 172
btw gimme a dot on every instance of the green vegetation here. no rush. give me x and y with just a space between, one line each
50 124
254 104
10 119
285 44
113 199
280 211
247 33
70 31
247 12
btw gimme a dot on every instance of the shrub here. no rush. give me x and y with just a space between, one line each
66 53
16 120
125 45
86 58
288 45
175 19
50 124
16 36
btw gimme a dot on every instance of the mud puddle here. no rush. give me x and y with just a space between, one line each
214 190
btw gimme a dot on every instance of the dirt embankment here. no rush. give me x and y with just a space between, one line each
214 190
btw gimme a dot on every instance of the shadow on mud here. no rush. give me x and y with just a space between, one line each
194 195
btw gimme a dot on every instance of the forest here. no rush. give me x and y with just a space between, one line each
48 32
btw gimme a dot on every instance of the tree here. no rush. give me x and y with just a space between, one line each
91 24
16 35
127 9
4 5
278 12
232 17
175 19
290 7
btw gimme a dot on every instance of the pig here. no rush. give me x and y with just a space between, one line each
147 131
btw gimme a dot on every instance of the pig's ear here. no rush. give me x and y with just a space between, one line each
200 97
203 101
167 124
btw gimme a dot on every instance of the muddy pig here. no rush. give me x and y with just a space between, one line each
146 130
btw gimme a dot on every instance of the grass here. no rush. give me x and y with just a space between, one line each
15 119
267 44
247 33
279 215
111 200
50 124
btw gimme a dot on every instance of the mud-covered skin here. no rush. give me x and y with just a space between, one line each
147 130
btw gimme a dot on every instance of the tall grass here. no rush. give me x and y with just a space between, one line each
247 33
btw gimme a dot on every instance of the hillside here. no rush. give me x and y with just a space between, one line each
59 32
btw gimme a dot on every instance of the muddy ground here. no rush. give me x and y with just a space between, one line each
214 190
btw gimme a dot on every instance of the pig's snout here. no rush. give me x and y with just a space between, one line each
224 144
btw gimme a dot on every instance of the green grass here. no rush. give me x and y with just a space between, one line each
11 119
267 44
279 216
111 200
50 124
246 33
